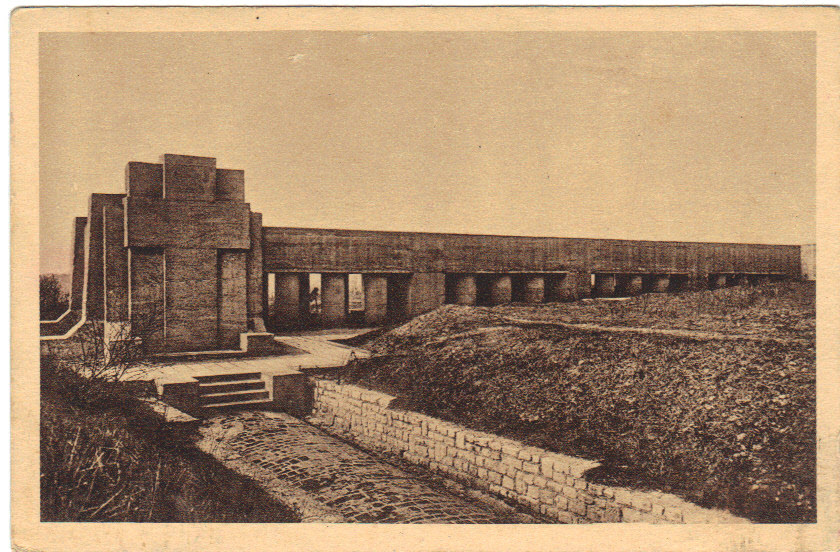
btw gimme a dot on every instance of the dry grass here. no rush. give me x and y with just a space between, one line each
781 310
105 458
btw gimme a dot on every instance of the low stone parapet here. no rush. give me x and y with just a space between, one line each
554 485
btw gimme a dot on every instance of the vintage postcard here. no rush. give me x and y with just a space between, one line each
425 278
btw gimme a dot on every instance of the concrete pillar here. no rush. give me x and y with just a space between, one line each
465 289
256 280
659 283
533 290
286 299
604 285
717 281
562 287
633 285
501 289
376 298
333 299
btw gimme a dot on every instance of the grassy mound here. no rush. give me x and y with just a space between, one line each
781 310
105 458
724 423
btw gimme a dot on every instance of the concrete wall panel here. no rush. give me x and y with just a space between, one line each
321 250
168 223
232 296
147 294
116 263
191 299
96 246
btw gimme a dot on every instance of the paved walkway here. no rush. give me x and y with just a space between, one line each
318 352
328 480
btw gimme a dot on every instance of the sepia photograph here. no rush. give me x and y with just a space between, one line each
517 277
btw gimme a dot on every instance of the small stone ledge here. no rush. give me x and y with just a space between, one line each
549 483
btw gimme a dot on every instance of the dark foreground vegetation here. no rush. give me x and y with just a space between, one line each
724 423
106 457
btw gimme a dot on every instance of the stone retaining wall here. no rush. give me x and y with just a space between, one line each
552 484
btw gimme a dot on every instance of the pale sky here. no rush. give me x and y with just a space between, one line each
672 136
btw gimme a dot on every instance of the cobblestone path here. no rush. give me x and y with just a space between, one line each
345 481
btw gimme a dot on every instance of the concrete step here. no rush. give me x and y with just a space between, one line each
229 386
220 378
240 404
234 396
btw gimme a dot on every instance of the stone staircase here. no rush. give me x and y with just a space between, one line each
242 390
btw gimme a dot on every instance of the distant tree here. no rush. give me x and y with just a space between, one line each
54 300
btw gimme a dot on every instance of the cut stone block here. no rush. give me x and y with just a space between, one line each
189 177
230 185
144 179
